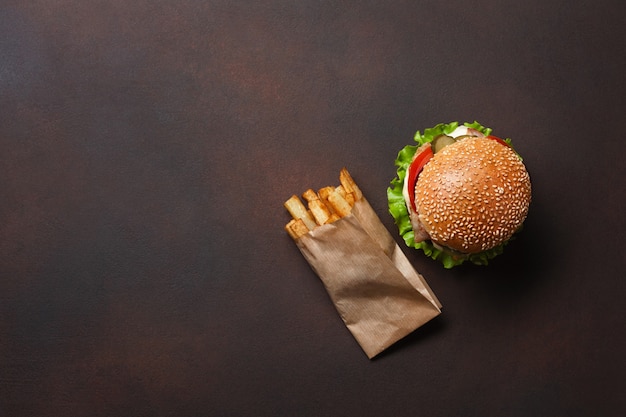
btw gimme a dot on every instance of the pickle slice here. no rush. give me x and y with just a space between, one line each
441 142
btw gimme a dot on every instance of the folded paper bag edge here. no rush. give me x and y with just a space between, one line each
375 228
357 274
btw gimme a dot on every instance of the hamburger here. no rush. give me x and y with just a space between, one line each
461 193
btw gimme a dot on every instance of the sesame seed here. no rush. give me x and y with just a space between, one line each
473 195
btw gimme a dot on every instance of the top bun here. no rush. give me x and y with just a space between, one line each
473 195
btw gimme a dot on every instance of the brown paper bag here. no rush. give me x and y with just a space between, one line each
377 292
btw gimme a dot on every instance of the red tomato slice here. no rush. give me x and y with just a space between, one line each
497 139
414 170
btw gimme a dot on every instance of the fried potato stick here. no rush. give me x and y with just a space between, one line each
298 211
327 205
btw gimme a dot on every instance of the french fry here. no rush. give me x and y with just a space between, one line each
334 216
296 228
298 211
320 211
327 205
349 197
324 192
349 185
310 195
339 204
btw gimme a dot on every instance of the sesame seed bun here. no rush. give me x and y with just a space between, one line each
473 195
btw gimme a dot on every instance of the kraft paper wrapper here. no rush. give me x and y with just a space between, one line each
376 291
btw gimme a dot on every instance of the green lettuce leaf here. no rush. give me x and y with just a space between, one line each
400 213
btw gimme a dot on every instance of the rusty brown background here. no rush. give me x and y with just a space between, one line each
146 148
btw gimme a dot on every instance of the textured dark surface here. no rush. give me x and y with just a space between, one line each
146 148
